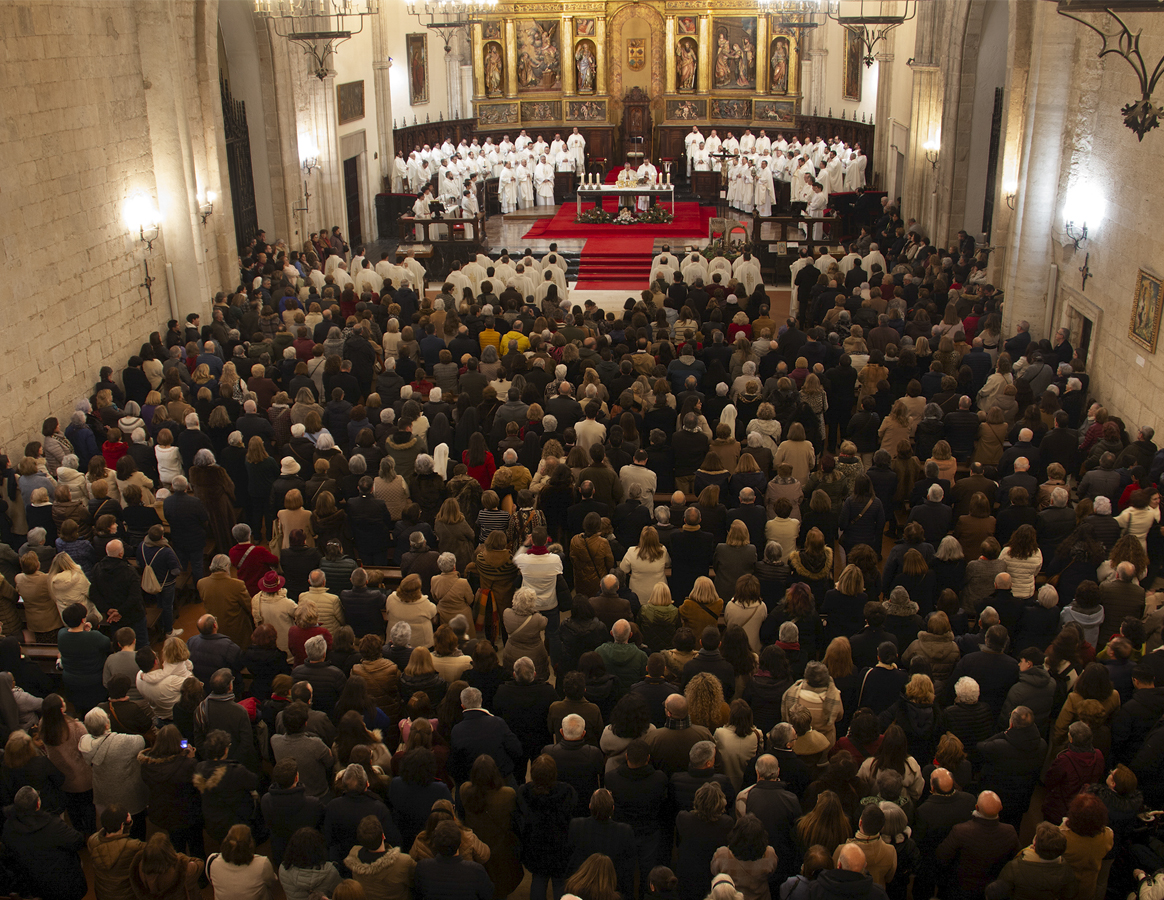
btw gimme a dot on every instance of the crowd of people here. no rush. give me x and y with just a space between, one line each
690 601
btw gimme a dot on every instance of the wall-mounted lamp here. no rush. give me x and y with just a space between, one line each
207 208
1010 193
142 216
932 147
308 154
1085 206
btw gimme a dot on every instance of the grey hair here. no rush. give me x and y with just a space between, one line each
781 735
325 442
317 578
37 536
935 494
470 698
966 690
446 562
315 648
773 551
424 464
701 753
525 601
573 726
70 459
509 457
191 421
524 671
235 439
1078 732
204 457
241 532
1059 498
357 465
1048 597
789 633
768 767
354 778
97 722
400 634
180 484
220 563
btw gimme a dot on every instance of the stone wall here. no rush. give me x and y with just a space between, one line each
78 138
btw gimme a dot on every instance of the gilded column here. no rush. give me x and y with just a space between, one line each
762 41
670 50
704 54
478 63
568 74
794 62
600 53
510 58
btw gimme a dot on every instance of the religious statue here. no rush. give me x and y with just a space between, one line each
688 62
584 57
493 70
723 61
780 66
745 75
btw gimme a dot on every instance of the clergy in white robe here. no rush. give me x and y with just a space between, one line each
691 142
763 142
539 147
666 258
646 172
731 145
507 189
855 173
533 268
793 271
826 260
735 177
544 182
416 272
451 191
555 259
849 260
663 269
420 208
576 146
747 141
780 144
874 256
399 173
723 266
702 159
833 178
523 141
746 270
713 143
447 148
475 273
525 190
817 204
747 188
765 189
521 282
694 270
557 146
506 146
459 282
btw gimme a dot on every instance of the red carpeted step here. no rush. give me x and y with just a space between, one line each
611 262
690 221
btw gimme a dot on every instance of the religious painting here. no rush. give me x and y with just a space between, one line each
636 54
541 111
586 111
584 27
780 61
778 112
734 58
350 100
539 64
491 31
417 51
494 69
497 114
854 68
1145 325
585 67
687 110
686 64
731 109
687 24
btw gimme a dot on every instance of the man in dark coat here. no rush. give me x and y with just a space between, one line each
700 771
599 832
287 807
580 763
848 881
115 589
710 660
692 550
671 745
219 711
977 849
481 732
753 515
327 681
1011 763
188 523
211 651
447 876
777 808
1134 720
934 516
344 814
945 807
994 671
45 848
639 791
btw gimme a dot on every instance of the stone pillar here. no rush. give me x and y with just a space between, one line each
925 119
763 40
511 58
569 86
1030 247
327 201
600 55
883 133
455 54
669 50
172 157
467 90
381 63
703 76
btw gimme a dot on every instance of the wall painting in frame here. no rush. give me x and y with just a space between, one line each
417 51
1144 328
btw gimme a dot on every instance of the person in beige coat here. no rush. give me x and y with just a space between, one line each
327 604
797 452
381 675
452 594
271 606
228 600
817 693
408 604
937 646
898 426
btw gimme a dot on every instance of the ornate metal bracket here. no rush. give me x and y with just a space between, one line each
1142 115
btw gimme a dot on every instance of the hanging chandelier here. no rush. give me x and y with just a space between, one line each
871 20
1142 115
318 26
793 13
447 17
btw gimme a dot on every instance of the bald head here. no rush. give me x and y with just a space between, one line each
988 804
851 858
621 631
115 549
676 706
942 781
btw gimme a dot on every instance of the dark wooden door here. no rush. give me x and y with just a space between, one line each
238 162
352 196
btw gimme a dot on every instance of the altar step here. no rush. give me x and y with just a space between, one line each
615 262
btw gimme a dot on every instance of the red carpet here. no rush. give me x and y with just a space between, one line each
690 222
608 263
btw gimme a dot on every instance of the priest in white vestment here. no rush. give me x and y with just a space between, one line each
544 182
576 147
691 142
648 173
765 189
507 189
817 204
525 191
855 173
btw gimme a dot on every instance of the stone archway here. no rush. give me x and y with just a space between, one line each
616 51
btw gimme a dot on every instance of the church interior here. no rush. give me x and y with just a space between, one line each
199 122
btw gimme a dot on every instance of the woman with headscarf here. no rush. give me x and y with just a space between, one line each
440 432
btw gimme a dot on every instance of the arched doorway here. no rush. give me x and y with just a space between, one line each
636 21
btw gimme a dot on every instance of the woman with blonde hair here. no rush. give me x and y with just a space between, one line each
525 626
937 646
420 678
647 563
68 585
294 517
705 703
408 604
595 879
703 607
896 427
659 619
734 559
992 437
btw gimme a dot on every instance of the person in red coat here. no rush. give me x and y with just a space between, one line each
251 561
1077 766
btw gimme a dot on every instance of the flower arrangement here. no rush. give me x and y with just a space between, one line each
729 250
655 215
